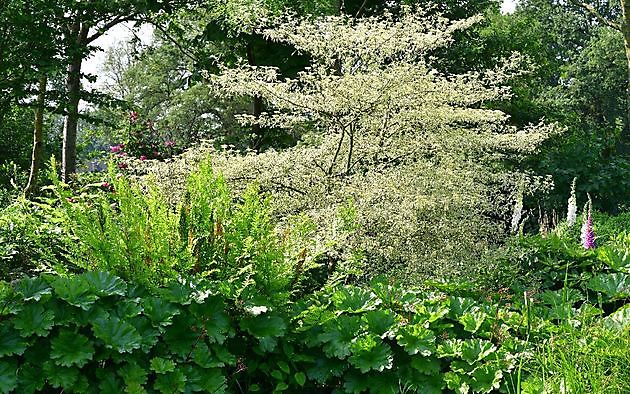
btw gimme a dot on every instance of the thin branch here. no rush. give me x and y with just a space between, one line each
183 50
103 29
591 10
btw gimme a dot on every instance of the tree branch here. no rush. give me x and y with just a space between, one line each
591 10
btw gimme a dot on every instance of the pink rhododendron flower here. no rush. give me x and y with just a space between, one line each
169 143
116 148
133 116
143 158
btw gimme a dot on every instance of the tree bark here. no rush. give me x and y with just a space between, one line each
73 89
38 138
625 30
256 103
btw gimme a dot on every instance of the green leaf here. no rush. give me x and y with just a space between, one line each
473 319
370 353
427 365
161 365
338 335
133 374
474 350
212 313
11 342
460 305
61 377
456 382
33 319
108 383
213 381
105 284
416 339
169 383
117 334
70 348
616 285
486 378
33 288
149 334
618 320
30 378
451 348
265 325
160 312
616 258
180 337
300 378
284 367
75 291
354 299
8 376
380 322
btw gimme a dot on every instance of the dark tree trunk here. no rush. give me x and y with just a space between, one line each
73 89
625 30
38 138
257 104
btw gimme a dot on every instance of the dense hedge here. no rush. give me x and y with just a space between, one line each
95 333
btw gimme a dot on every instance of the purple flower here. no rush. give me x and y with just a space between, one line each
143 158
122 166
116 148
588 235
133 116
169 143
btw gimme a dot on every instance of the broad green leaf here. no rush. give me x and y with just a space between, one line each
162 365
30 378
324 369
69 348
474 350
460 305
133 374
300 378
160 312
615 285
33 288
202 356
127 308
61 377
75 291
171 382
266 325
105 284
451 348
616 258
416 339
212 313
339 334
370 353
486 378
149 334
178 293
473 319
117 334
284 367
8 376
619 320
11 342
456 382
380 322
34 319
354 299
108 383
427 365
204 380
180 337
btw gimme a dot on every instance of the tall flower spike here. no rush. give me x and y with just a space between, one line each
588 235
572 209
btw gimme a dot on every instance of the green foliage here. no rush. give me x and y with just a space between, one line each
33 238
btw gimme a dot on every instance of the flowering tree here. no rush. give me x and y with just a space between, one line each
415 148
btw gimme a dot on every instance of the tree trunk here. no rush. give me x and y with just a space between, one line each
38 138
73 90
625 30
256 104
